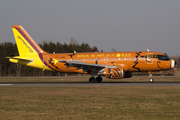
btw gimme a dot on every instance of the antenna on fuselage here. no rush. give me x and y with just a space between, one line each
148 50
74 53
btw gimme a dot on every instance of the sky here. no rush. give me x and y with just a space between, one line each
124 25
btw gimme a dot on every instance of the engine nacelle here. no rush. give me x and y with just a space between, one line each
114 73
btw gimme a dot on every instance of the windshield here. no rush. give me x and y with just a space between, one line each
163 57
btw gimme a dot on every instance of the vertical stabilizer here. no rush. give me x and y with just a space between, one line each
25 44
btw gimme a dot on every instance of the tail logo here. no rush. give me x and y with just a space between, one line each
30 50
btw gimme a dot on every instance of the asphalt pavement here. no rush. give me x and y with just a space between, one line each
71 84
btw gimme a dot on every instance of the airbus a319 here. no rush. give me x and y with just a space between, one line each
112 65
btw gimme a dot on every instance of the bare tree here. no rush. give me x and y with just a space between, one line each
73 41
113 50
18 70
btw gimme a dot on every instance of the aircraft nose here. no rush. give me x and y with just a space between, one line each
173 63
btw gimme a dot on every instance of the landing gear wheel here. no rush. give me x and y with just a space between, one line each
99 79
151 80
92 80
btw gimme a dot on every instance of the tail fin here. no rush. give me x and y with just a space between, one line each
25 44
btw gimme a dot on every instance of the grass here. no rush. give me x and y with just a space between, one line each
66 103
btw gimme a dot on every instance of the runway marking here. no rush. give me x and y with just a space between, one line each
5 84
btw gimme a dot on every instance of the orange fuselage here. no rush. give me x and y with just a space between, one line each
130 61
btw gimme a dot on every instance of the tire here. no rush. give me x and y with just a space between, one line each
92 80
99 79
151 80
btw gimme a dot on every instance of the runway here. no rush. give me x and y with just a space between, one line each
84 84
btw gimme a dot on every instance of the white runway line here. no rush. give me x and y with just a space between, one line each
5 84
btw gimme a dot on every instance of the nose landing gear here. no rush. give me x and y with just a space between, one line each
151 80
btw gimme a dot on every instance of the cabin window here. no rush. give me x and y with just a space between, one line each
109 58
102 59
124 58
116 58
127 58
130 58
119 58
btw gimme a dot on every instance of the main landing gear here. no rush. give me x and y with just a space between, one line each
151 80
93 79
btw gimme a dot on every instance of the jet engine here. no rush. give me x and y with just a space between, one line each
114 73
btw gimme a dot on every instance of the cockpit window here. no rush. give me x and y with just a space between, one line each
163 57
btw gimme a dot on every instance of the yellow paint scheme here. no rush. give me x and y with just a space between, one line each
35 61
24 47
55 61
26 51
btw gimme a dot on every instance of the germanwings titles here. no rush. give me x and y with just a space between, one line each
113 65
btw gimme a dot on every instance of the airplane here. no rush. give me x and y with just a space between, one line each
112 65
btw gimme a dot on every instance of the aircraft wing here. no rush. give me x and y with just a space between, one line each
95 68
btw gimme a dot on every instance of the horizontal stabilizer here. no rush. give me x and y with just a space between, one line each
21 58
